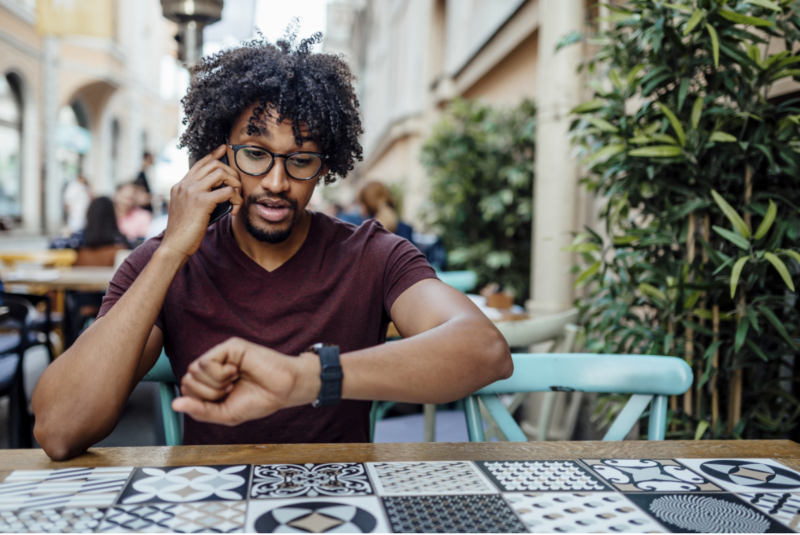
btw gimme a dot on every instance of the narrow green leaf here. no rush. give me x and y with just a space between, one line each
691 301
753 319
583 277
757 350
677 7
592 105
766 223
659 151
722 137
583 248
783 74
764 3
682 92
732 215
602 124
631 76
664 138
767 313
741 334
640 140
603 154
794 254
697 16
736 272
781 268
732 237
701 430
613 75
714 44
676 124
652 291
697 112
738 18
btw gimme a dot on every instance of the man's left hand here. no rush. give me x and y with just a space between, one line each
238 381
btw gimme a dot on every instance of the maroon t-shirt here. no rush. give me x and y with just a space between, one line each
337 289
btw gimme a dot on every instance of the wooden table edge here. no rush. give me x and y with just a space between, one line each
785 451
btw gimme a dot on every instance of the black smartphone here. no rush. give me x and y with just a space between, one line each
223 207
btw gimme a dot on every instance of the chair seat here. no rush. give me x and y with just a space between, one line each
8 343
8 367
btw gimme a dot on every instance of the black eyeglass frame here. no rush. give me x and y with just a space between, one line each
237 148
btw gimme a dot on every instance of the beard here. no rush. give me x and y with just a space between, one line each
268 236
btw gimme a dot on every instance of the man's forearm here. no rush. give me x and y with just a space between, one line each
441 365
81 395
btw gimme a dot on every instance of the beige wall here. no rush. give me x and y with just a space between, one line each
114 78
512 79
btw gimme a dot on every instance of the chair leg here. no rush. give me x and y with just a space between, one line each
474 421
658 418
19 421
430 422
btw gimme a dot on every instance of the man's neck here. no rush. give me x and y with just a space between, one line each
271 256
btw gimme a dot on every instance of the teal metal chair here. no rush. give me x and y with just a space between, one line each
649 378
460 280
161 373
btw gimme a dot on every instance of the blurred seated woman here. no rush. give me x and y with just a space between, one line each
377 202
98 243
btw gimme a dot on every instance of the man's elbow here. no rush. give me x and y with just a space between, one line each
58 445
499 361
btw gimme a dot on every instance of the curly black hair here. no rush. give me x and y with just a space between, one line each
310 89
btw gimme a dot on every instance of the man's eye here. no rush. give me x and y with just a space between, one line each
255 154
301 161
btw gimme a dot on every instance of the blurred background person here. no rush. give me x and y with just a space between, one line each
99 240
132 220
77 196
377 203
145 201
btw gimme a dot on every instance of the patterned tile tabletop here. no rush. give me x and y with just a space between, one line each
584 495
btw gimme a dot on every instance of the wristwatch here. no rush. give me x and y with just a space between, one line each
330 391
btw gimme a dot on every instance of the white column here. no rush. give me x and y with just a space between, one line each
555 202
53 186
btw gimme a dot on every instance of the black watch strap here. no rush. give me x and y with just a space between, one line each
330 391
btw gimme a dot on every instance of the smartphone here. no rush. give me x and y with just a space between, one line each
223 207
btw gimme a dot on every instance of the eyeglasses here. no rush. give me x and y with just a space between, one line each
257 161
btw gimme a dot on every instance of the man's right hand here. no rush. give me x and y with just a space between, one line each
192 201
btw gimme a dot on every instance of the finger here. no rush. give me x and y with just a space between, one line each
218 176
213 374
215 154
221 195
204 411
190 386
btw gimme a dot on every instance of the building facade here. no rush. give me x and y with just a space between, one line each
414 56
80 104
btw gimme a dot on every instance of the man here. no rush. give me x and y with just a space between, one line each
236 304
141 181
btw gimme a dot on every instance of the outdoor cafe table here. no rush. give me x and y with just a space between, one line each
783 451
82 279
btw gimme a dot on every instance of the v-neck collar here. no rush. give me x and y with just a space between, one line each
230 245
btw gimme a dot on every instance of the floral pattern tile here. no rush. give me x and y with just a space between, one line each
187 484
311 480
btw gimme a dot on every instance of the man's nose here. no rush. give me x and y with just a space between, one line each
276 181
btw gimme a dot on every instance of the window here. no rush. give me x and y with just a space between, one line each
10 151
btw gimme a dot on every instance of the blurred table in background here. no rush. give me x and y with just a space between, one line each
39 280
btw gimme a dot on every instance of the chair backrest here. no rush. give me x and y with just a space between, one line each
649 378
537 330
161 373
460 280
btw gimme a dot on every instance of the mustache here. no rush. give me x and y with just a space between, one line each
254 199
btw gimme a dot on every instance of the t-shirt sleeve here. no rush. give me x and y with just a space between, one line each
126 275
405 266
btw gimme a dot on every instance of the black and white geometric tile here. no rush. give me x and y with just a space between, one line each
705 513
783 507
632 475
67 487
440 477
514 476
311 480
589 512
195 517
747 475
482 513
71 520
187 484
349 514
